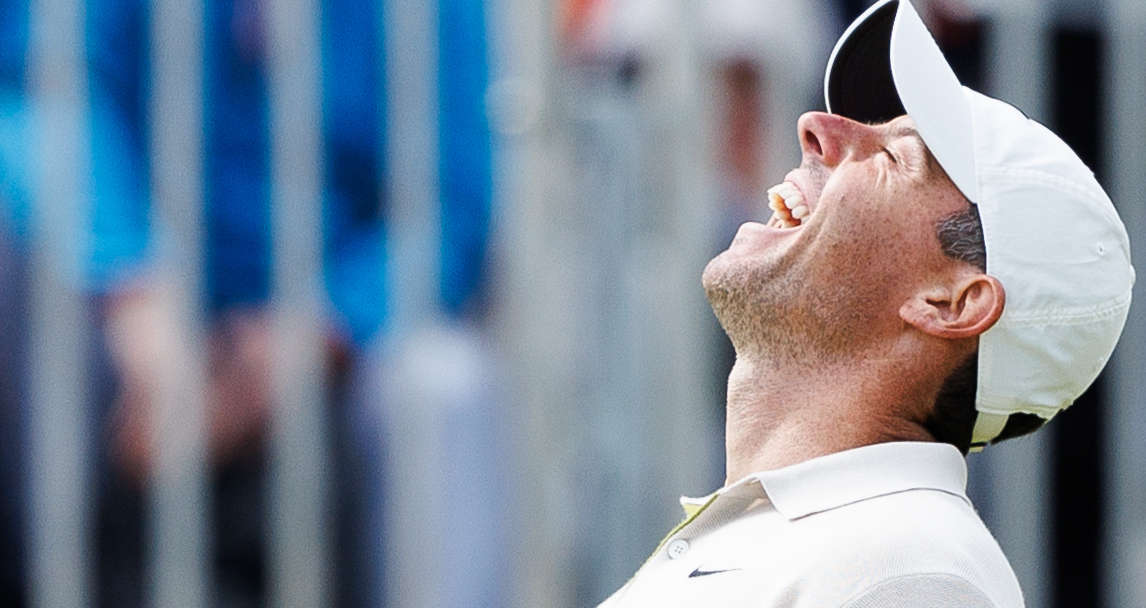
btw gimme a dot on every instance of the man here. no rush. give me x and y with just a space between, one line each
940 273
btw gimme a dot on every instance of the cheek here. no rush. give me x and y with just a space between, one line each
875 250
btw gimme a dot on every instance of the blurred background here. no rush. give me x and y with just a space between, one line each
397 303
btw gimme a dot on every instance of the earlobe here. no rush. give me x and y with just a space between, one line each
965 310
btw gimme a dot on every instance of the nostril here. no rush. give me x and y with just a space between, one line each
813 143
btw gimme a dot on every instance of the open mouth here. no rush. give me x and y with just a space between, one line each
789 208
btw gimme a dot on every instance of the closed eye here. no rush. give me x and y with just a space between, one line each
891 156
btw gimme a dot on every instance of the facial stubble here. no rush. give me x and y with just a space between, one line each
771 314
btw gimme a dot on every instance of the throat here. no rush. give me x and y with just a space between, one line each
776 418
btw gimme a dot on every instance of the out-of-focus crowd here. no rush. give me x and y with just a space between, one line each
765 57
132 334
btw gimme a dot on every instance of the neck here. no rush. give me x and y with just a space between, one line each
779 415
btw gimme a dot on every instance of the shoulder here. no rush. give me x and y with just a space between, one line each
935 590
923 540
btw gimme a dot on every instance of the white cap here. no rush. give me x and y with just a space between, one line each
1052 235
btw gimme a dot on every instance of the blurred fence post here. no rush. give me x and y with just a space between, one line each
179 538
534 320
300 526
1010 482
59 504
1124 542
412 479
410 30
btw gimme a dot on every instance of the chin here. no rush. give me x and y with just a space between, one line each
755 305
719 273
725 281
735 269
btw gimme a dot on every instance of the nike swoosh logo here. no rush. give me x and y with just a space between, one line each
699 572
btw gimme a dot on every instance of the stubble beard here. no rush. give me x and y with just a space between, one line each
776 316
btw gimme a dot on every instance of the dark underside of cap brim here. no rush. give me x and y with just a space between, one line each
860 85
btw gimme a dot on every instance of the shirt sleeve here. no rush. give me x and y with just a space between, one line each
932 590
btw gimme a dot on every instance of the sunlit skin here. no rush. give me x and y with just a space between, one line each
846 326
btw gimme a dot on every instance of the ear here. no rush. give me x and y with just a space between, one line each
963 309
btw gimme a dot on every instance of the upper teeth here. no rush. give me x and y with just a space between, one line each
788 203
788 194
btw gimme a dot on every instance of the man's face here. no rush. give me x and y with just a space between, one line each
832 281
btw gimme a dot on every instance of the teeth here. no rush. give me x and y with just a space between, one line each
784 190
787 194
788 203
776 202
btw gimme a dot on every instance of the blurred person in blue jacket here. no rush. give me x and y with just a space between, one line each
236 148
237 186
113 256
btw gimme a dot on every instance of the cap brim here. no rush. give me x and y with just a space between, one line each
886 65
858 83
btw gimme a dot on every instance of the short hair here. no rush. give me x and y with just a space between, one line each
952 419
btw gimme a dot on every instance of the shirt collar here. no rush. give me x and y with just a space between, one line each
835 480
832 481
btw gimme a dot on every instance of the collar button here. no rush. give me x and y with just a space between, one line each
677 548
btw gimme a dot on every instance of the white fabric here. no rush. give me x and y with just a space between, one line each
987 427
1053 237
933 97
1056 244
930 590
858 528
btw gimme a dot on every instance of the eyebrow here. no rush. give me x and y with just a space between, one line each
930 161
908 131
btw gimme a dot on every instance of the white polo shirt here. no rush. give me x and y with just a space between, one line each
885 525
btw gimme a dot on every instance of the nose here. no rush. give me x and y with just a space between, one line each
830 138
